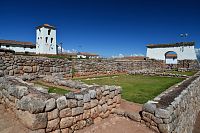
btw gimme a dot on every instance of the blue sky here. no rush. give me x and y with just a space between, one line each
106 27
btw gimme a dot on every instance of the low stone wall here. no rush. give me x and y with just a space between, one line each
43 112
175 110
34 65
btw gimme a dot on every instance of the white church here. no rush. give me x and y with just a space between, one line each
45 42
171 53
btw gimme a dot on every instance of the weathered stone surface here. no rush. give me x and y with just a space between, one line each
1 95
67 112
86 97
79 96
118 112
53 114
18 91
157 120
161 113
94 112
27 69
80 103
72 103
86 114
66 122
53 125
102 101
56 131
110 101
32 121
1 73
134 116
61 102
87 105
41 89
66 130
104 107
50 104
164 128
93 103
37 131
31 104
92 94
89 121
149 107
77 111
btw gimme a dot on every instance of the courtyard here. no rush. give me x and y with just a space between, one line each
137 88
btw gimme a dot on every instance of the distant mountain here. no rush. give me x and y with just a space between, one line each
198 53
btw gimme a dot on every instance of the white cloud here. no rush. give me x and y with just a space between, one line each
118 56
122 55
66 51
137 54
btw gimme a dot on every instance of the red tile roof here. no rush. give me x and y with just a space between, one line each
171 45
13 42
135 57
46 26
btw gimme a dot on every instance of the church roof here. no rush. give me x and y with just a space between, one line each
46 26
171 45
16 43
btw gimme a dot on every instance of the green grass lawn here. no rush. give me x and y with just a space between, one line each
137 88
188 73
52 89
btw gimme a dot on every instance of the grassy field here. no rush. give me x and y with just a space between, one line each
52 89
137 88
188 73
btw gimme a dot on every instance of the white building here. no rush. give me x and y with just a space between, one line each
46 39
183 51
17 46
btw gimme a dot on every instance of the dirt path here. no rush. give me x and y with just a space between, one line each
8 122
197 125
130 106
116 124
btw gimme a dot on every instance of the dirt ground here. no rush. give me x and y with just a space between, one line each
8 122
112 124
116 124
197 125
130 106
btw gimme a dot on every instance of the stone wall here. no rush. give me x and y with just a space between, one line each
175 110
24 65
33 65
43 112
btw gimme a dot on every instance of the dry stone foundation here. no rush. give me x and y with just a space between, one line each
34 65
175 110
42 112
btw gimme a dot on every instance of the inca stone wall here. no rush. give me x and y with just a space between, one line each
175 110
33 65
44 113
24 65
